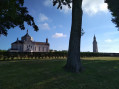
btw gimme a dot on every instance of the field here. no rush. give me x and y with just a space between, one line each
98 73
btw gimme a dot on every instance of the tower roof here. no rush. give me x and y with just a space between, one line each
94 37
27 36
95 47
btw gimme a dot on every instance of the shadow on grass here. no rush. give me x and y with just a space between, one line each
49 74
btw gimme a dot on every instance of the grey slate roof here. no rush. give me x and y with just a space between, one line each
18 42
40 43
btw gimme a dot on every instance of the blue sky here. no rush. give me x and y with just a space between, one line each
55 25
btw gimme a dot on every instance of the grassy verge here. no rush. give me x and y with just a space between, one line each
99 73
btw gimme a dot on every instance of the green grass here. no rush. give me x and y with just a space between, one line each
99 73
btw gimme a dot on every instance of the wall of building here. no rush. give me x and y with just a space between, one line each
41 48
28 46
35 48
18 47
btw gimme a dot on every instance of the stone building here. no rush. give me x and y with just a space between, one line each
95 47
26 44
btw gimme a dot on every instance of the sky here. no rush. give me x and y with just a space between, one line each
55 25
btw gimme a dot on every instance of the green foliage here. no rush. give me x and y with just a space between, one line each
61 3
3 50
82 32
12 14
49 74
113 6
4 55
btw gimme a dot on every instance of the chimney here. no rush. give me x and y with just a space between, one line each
46 40
17 39
27 31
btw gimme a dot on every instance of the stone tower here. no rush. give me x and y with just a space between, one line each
95 47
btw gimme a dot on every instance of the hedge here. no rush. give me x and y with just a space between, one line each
42 55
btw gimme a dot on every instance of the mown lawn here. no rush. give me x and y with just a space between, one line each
98 73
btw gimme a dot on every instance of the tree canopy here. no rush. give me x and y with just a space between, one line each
113 6
62 2
12 14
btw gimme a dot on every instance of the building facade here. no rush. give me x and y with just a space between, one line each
26 44
95 47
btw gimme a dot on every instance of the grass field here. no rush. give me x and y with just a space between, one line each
98 73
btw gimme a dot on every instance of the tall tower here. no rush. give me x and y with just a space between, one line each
95 47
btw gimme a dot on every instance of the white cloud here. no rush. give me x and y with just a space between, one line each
48 2
112 41
66 9
112 33
58 35
44 26
43 17
60 26
108 40
54 27
92 7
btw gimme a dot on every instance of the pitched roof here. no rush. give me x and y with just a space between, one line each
18 41
40 43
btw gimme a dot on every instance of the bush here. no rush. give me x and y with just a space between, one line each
38 55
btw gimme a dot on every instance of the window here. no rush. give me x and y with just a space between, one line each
39 48
43 49
20 47
35 48
47 49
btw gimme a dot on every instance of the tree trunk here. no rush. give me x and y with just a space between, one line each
73 60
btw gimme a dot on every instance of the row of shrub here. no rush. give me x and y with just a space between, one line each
91 54
41 55
3 50
31 55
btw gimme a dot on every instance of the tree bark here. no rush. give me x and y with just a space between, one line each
73 61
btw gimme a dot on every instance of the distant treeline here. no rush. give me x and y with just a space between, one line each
41 55
3 50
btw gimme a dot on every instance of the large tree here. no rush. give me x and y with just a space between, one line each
73 61
12 14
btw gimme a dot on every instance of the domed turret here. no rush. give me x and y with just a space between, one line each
27 37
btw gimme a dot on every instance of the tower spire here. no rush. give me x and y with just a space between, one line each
95 47
94 37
